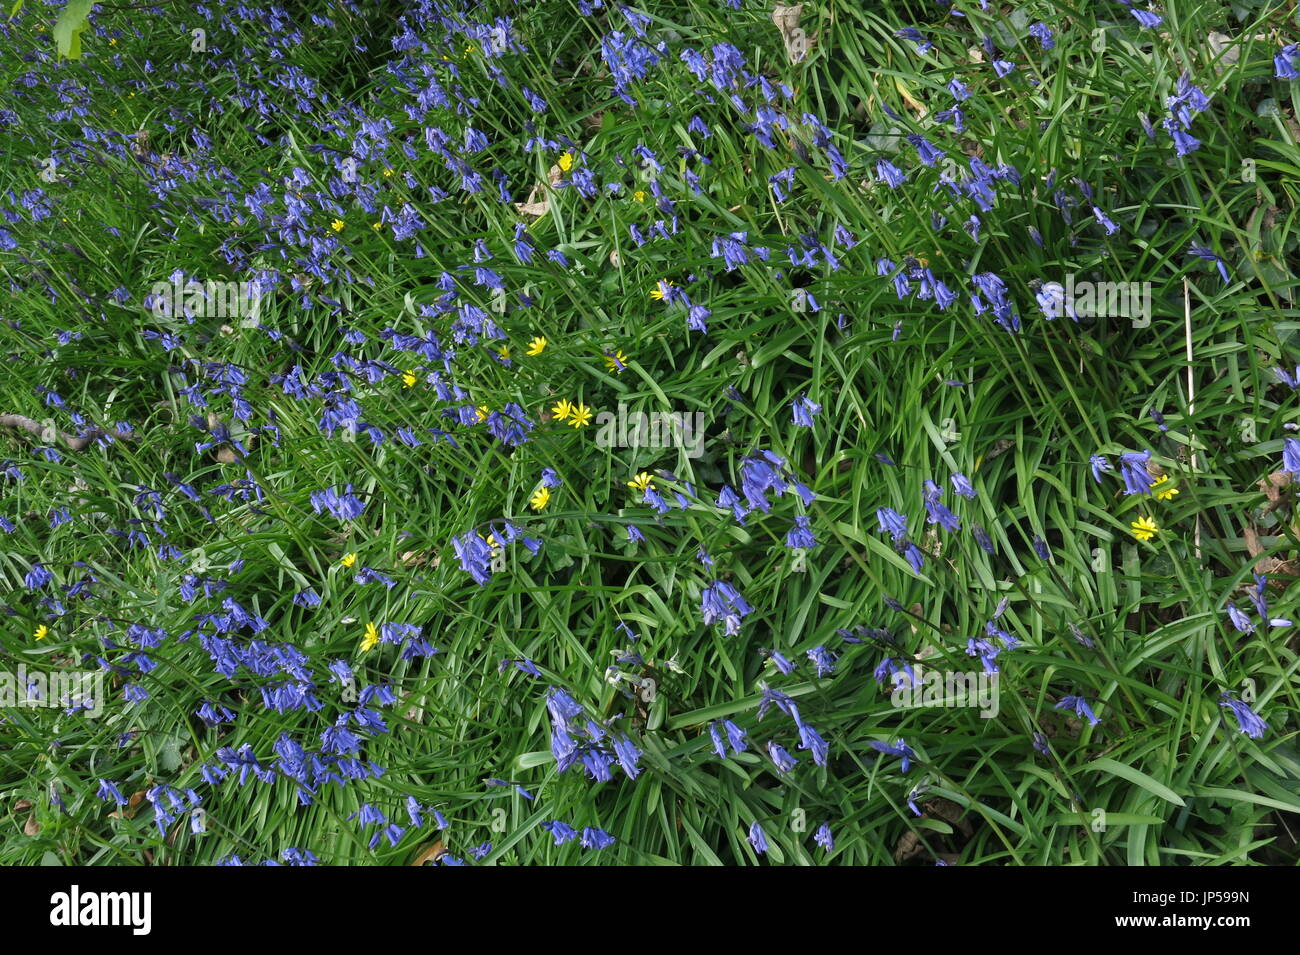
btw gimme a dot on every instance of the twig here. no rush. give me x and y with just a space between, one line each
74 442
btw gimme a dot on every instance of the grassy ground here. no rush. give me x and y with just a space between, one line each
692 204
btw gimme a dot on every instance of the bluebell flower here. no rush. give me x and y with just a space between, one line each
561 831
1080 707
628 755
824 838
735 736
757 838
721 600
108 790
937 513
1248 720
803 410
783 760
801 536
1239 619
1133 469
1110 227
782 664
1286 64
1100 464
1291 456
1208 255
823 660
596 839
898 748
892 522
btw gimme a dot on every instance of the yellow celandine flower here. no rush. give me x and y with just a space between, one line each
657 293
562 410
639 195
641 482
493 543
388 172
348 560
42 632
337 225
1144 528
504 352
409 378
377 226
581 416
615 361
371 639
566 162
1163 494
482 411
541 497
536 346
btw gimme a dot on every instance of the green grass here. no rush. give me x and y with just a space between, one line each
936 392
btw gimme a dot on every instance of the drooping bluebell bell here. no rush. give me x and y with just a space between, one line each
1248 721
801 535
720 600
1291 456
936 512
803 411
1080 707
898 748
824 837
596 839
1133 469
1239 619
1100 464
561 831
892 522
783 760
1286 63
1209 255
823 660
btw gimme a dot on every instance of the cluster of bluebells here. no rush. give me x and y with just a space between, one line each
293 234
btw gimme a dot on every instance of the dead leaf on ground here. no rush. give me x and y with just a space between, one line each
429 852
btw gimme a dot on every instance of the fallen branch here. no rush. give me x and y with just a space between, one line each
74 442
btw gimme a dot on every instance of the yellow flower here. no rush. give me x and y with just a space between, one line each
1144 528
641 482
409 379
1166 493
566 162
581 416
639 195
657 293
493 543
348 560
536 346
388 172
504 352
540 498
371 638
41 632
562 410
377 226
482 411
337 225
615 361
